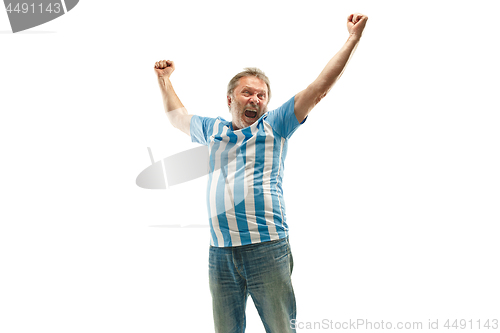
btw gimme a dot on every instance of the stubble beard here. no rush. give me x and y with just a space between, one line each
241 120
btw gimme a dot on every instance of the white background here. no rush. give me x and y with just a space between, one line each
392 185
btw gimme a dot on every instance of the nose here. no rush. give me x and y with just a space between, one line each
254 100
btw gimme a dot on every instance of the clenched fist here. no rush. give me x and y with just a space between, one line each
164 68
356 24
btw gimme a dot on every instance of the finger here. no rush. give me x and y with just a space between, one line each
360 17
349 18
357 17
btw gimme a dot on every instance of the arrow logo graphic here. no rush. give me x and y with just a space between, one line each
192 164
26 14
179 168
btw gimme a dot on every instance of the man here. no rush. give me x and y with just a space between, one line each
249 250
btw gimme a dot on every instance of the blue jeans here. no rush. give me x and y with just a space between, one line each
262 271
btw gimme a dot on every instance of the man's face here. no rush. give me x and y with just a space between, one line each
249 102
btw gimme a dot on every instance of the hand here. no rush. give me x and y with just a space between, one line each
164 68
356 24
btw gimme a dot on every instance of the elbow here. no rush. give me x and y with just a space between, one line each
319 97
319 90
175 117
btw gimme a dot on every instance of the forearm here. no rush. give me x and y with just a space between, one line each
335 67
314 93
175 110
170 100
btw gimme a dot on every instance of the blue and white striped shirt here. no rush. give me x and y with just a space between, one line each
244 192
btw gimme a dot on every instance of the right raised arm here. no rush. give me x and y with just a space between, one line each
176 112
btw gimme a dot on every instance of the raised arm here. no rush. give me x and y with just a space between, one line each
176 112
309 97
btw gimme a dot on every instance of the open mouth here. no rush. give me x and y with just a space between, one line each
250 113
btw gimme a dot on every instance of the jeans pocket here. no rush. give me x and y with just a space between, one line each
284 251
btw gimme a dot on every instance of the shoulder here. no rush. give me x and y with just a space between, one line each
283 119
285 107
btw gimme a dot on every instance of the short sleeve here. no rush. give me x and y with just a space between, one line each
199 129
283 119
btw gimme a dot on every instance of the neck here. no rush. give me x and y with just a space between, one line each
235 128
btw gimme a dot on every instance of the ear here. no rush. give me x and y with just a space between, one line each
229 102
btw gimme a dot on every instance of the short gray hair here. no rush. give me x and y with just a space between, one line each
249 71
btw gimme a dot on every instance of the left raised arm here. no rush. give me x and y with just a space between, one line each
309 97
